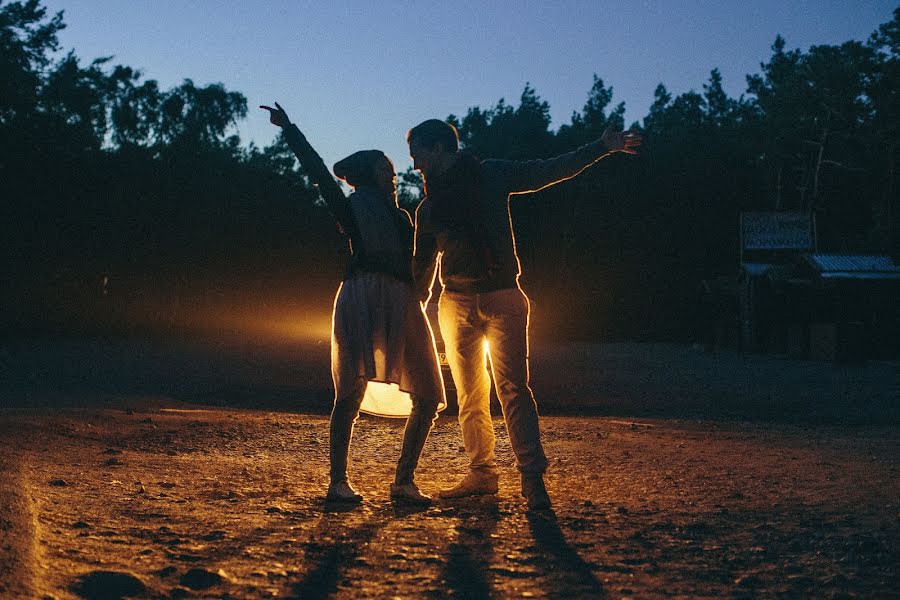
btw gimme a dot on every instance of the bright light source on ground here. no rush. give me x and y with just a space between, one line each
386 400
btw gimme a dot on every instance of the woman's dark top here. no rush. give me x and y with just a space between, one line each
380 233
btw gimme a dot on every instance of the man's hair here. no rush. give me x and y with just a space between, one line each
432 132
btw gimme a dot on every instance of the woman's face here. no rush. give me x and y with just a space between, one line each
385 176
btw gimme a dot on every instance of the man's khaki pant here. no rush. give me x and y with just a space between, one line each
501 319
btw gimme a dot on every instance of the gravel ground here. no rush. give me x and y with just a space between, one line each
685 475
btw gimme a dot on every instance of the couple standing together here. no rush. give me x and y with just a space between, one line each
380 331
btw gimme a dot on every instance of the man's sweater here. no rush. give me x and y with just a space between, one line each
475 240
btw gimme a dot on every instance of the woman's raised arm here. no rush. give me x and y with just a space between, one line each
313 165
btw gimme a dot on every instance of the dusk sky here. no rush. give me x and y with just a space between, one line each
359 74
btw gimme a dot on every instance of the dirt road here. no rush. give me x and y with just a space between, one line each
124 462
167 500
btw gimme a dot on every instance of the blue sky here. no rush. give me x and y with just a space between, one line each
359 74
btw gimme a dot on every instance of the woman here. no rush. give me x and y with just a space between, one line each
379 331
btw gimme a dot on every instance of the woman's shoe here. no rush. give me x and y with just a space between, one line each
340 491
409 493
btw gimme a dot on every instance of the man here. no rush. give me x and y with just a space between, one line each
463 224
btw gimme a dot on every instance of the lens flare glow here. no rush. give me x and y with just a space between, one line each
386 400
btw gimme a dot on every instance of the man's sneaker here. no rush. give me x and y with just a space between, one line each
340 491
535 492
475 483
409 493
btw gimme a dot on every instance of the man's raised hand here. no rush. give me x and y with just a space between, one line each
277 116
621 141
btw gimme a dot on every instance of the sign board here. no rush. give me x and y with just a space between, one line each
776 231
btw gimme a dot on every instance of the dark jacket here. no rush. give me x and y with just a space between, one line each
465 218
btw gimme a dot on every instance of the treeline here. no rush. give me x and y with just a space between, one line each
621 250
125 203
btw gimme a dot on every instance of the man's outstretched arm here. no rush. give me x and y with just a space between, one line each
533 175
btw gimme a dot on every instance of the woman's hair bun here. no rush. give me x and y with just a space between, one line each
358 168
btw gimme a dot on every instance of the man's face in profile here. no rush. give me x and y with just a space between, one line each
423 157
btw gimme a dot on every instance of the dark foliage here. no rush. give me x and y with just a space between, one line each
127 206
124 204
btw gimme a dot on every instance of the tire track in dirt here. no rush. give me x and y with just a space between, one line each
18 531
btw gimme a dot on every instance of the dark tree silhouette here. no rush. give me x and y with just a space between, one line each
126 204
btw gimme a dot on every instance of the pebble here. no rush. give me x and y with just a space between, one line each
166 571
109 584
200 579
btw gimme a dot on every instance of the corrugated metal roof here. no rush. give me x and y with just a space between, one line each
862 276
850 263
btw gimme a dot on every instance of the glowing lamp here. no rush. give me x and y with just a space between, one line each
386 400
